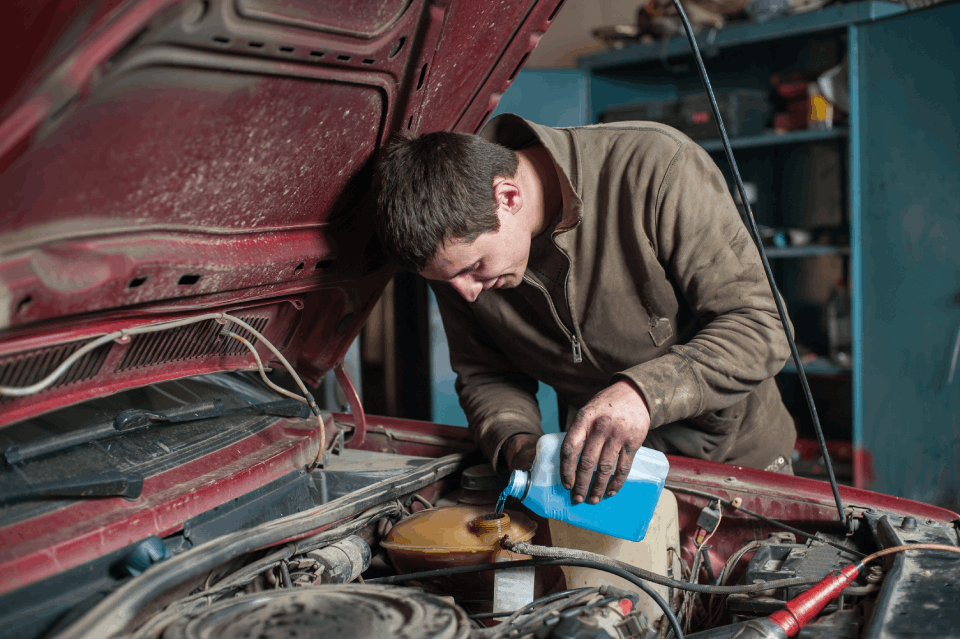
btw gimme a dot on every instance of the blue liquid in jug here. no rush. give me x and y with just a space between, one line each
625 515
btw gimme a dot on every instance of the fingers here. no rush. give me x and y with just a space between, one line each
592 449
570 449
605 470
627 453
601 443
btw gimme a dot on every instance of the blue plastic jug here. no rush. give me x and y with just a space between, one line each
625 515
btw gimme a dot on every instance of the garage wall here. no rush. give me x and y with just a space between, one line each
569 35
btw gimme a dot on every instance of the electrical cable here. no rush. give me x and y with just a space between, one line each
699 556
263 373
774 522
533 604
532 563
311 402
766 264
248 573
10 391
282 391
725 572
46 382
117 610
732 561
423 501
571 554
804 608
715 528
43 384
550 617
536 618
895 549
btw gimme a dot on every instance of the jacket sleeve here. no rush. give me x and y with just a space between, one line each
702 243
499 400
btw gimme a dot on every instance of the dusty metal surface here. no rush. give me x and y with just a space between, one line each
334 612
170 156
920 590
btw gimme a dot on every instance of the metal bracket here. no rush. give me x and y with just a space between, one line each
356 407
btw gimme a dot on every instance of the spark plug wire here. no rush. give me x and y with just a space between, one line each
806 606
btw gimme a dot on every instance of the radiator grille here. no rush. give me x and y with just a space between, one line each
25 369
188 342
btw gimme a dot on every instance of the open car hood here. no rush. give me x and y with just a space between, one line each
162 159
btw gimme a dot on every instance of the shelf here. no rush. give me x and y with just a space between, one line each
710 42
819 366
775 139
812 250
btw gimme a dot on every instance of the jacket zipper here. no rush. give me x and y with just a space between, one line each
574 342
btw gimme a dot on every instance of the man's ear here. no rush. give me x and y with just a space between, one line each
508 195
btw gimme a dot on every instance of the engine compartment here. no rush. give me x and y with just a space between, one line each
307 552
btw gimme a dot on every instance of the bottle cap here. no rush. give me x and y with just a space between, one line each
519 484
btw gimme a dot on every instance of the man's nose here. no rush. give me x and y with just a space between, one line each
468 287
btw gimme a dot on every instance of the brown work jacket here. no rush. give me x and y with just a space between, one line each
649 275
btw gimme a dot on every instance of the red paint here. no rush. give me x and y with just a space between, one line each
45 545
841 451
356 406
796 497
112 192
16 129
863 473
283 316
803 503
805 607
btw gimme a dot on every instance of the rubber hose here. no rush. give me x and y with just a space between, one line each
569 553
528 563
533 604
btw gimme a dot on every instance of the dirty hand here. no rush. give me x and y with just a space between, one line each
519 451
605 435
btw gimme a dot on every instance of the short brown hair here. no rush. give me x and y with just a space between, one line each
435 187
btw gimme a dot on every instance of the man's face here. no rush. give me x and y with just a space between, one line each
493 260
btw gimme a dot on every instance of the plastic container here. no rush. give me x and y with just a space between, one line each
626 515
652 554
456 536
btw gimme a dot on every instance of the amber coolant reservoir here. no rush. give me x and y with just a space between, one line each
456 536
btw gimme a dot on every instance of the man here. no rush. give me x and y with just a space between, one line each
608 262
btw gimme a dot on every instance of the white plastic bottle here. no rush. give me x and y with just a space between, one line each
625 515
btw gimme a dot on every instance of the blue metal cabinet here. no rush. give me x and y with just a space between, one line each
907 250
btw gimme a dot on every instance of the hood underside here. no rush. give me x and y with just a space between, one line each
164 159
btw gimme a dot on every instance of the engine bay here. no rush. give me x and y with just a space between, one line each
376 542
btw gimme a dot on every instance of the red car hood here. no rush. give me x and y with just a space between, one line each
162 159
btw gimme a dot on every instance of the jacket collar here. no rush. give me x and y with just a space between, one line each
514 132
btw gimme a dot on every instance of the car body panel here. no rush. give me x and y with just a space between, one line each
200 156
